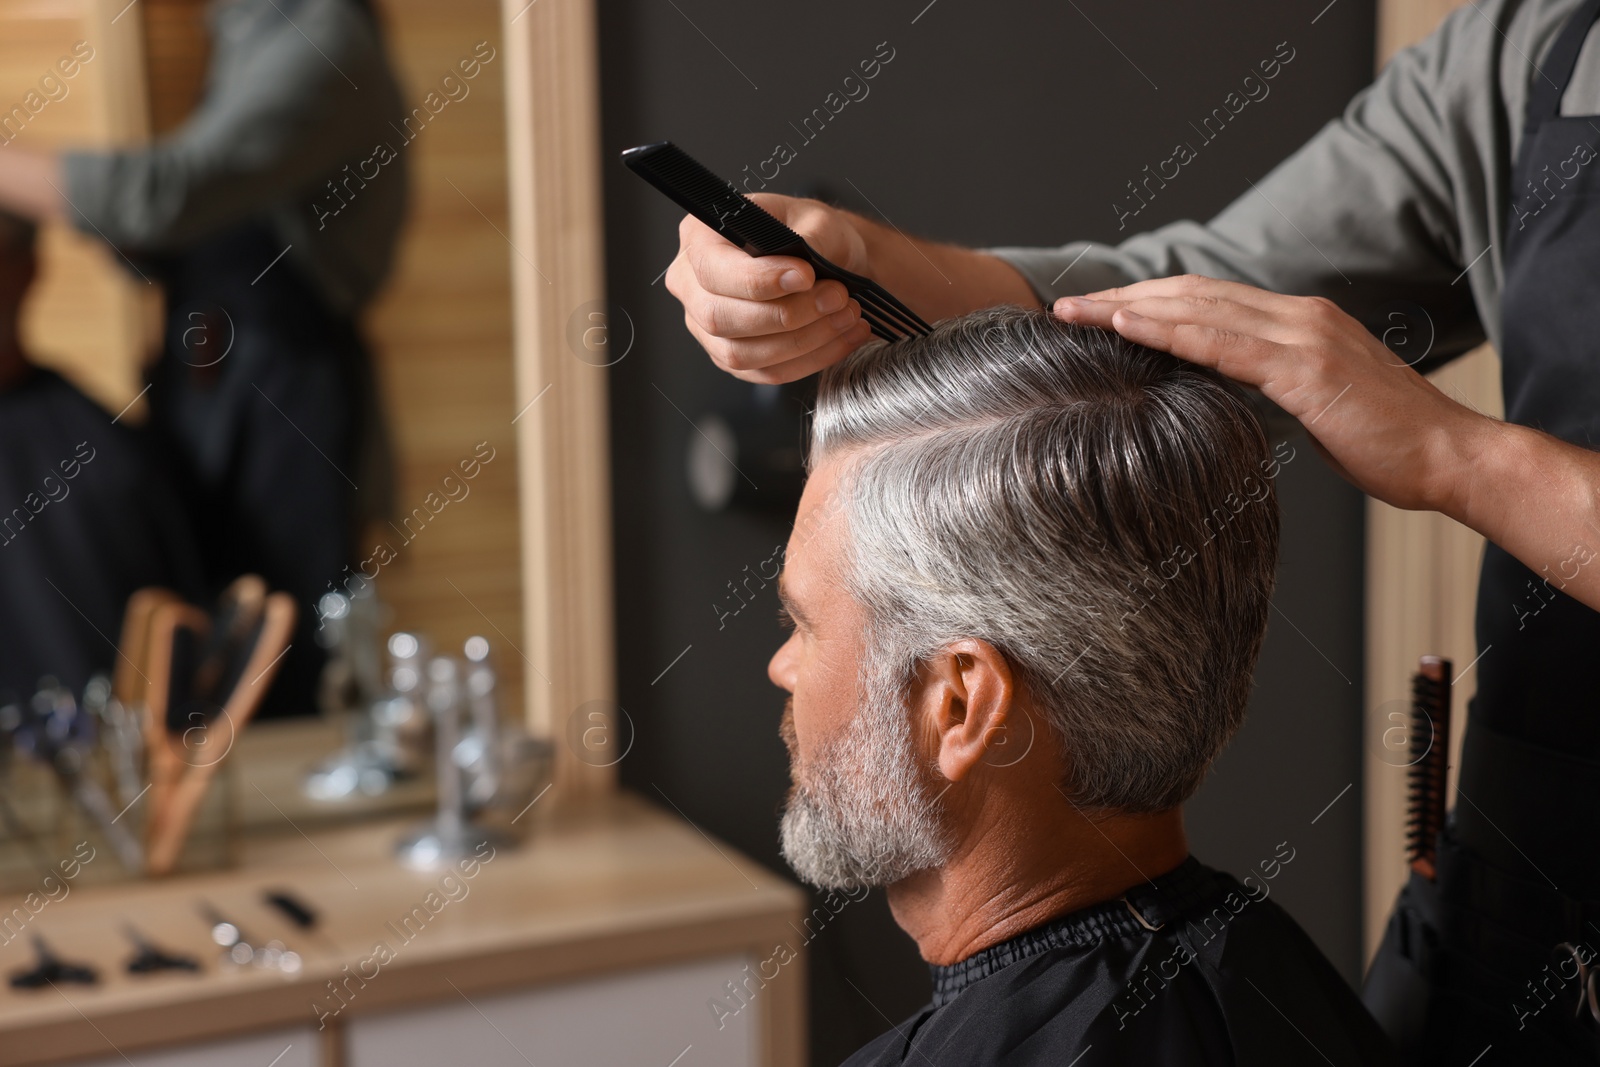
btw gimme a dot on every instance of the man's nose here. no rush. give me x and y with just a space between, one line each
781 668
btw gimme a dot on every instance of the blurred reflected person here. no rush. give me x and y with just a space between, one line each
87 510
1029 579
264 387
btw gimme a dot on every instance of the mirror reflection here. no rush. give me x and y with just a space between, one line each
257 496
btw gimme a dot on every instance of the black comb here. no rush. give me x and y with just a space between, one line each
717 203
1429 766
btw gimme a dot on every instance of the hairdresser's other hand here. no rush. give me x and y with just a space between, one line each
767 318
1384 427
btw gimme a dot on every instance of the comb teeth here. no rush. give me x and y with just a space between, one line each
1427 775
713 200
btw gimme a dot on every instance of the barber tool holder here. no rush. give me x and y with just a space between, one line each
48 837
123 781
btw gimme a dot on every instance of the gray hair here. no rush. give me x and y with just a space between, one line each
1103 514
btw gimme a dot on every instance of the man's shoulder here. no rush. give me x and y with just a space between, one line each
1008 1022
43 399
887 1048
1242 986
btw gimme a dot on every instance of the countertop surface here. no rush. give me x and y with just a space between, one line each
602 883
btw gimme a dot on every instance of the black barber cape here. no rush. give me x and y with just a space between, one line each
87 516
1226 979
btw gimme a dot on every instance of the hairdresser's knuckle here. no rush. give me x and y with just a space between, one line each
798 343
755 281
796 212
697 266
680 279
738 357
708 311
691 231
733 359
775 204
720 269
773 314
1322 311
1234 344
715 346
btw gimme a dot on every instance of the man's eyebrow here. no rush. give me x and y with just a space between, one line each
788 601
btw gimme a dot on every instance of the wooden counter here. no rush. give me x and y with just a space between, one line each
606 886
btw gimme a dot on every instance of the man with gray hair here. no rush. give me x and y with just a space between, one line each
1029 580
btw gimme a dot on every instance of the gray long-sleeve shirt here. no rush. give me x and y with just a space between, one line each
296 92
1401 198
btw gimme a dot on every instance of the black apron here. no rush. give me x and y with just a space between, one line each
1473 964
266 394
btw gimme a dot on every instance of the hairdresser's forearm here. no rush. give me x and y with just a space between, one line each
1538 498
30 184
939 281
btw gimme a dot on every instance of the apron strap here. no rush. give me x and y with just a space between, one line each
1550 81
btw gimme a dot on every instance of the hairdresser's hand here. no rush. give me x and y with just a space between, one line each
767 318
1382 425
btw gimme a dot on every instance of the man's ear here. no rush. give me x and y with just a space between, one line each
966 699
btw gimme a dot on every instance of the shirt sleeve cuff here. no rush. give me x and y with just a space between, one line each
87 185
1080 267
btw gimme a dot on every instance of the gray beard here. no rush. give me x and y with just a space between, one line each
867 816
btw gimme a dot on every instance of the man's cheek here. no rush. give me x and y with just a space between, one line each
786 730
807 738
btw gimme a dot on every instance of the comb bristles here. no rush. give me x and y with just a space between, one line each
910 327
886 328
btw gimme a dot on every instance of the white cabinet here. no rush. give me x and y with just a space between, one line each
275 1048
654 1018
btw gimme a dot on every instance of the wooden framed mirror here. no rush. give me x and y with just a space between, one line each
488 337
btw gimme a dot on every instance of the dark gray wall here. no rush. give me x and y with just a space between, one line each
994 123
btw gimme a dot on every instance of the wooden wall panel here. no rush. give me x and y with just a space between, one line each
441 331
1422 583
176 47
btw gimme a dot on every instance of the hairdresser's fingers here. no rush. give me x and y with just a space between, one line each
1326 341
720 268
1213 311
809 364
765 318
708 263
1237 355
754 353
784 357
722 316
1386 428
1196 286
